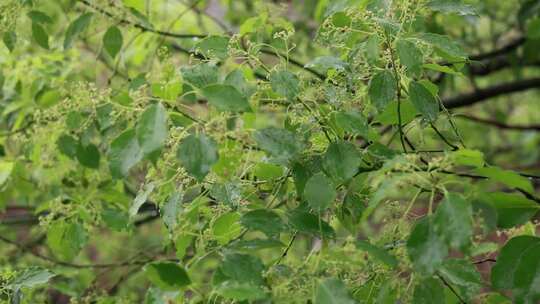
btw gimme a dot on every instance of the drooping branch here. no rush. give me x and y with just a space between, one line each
491 92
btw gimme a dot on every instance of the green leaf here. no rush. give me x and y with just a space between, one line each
410 56
243 268
124 153
453 221
533 28
88 155
66 239
512 209
352 122
167 275
310 224
152 130
76 27
466 157
226 227
514 257
382 89
171 210
441 68
236 79
31 277
10 39
113 40
226 98
444 44
39 17
319 192
40 35
139 5
197 154
452 6
378 253
527 276
6 168
506 177
341 161
462 275
263 220
426 249
115 218
332 291
325 63
67 145
282 145
167 91
429 291
214 47
390 114
423 101
256 244
140 199
285 83
240 291
200 75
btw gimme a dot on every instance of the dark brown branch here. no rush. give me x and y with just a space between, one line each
491 92
140 26
500 125
511 46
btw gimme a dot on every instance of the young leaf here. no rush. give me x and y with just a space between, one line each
285 84
332 291
197 154
124 153
152 129
66 239
382 89
112 41
426 249
226 98
167 275
423 101
76 28
40 35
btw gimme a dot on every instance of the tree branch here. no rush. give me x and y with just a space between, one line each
500 125
491 92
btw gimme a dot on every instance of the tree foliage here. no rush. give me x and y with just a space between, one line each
315 151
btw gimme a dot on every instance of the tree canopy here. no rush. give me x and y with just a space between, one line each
240 151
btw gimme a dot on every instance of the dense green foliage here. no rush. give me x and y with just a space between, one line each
238 151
